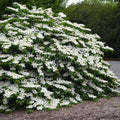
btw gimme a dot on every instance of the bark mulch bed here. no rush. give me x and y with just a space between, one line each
103 109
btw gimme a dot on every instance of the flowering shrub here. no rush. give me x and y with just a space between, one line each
47 61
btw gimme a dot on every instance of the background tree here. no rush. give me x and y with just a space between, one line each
101 1
56 5
103 19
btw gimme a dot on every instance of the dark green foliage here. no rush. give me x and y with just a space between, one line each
5 3
103 19
56 5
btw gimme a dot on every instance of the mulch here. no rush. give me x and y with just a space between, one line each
103 109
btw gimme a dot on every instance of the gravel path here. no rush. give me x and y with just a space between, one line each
103 109
115 67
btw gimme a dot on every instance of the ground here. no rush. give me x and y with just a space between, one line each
115 67
103 109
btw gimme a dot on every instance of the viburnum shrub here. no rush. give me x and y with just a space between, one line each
47 62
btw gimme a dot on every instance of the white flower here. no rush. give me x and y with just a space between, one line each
71 68
46 43
8 93
73 100
46 92
30 106
65 102
34 65
24 73
16 10
62 15
30 85
39 35
13 75
40 72
78 98
5 101
60 81
91 96
21 96
39 108
108 48
95 87
60 86
51 65
3 107
53 104
17 59
6 45
61 65
34 91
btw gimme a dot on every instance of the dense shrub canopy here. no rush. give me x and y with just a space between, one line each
103 19
47 62
56 5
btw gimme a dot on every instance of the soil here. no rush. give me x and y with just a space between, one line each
103 109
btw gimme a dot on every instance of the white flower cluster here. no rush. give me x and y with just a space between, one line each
47 61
